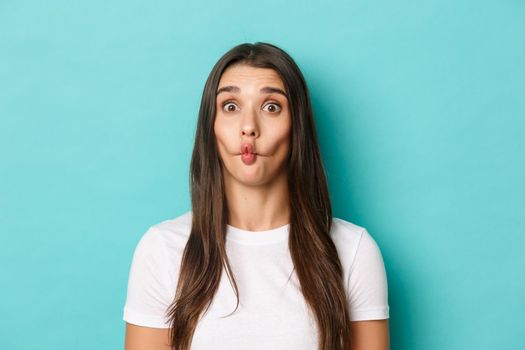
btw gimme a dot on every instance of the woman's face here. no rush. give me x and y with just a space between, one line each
252 124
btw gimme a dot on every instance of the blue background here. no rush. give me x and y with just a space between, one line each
420 113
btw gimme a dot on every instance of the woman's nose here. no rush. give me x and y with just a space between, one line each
249 127
249 131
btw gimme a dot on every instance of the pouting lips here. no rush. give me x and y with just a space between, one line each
246 148
248 158
247 153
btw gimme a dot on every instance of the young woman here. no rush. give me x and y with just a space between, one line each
259 262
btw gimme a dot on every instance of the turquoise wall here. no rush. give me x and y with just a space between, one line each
420 112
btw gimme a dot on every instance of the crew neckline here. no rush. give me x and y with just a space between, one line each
270 236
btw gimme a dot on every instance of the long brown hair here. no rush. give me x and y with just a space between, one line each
204 257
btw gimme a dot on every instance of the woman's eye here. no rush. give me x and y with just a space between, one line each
229 107
272 108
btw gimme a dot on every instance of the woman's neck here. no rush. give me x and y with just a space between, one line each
258 208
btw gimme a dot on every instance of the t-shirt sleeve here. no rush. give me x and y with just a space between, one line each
148 292
367 283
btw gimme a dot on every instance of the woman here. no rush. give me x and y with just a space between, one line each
259 262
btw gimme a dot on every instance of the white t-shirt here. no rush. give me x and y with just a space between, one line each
272 313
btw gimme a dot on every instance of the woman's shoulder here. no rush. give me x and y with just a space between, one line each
168 236
364 271
177 227
154 271
346 232
351 239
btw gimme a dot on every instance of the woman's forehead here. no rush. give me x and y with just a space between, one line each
242 74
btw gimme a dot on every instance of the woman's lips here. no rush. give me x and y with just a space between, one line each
248 158
246 148
247 154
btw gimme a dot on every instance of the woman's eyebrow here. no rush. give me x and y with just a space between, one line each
266 89
228 88
270 90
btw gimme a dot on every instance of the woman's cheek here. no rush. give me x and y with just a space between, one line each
226 149
281 136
